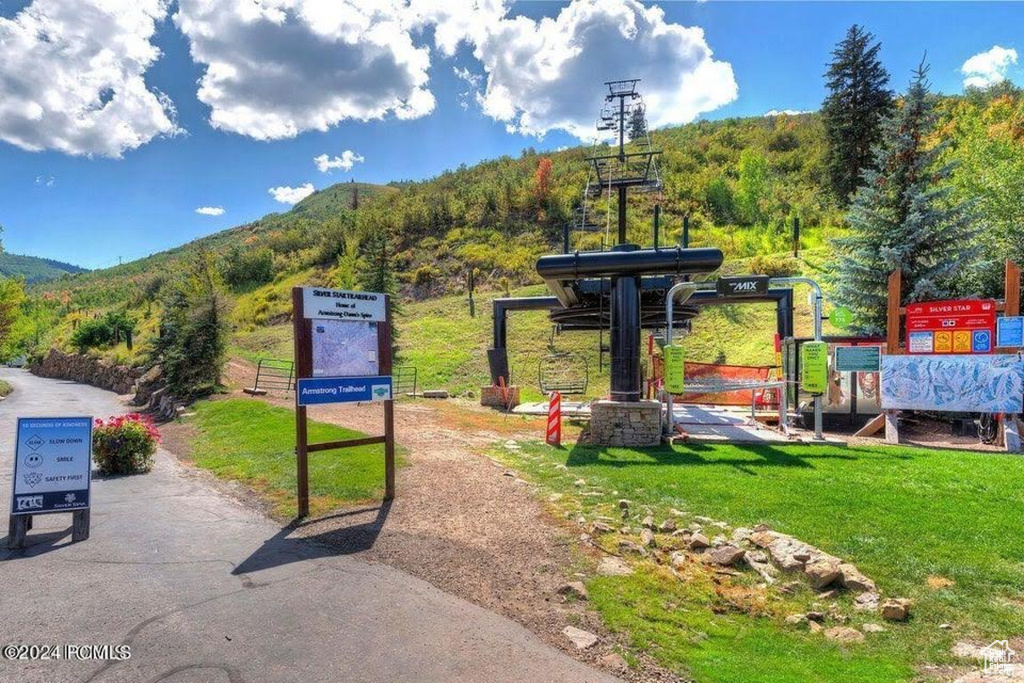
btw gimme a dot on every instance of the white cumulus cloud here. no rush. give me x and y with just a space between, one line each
276 68
548 74
988 68
210 210
786 112
71 77
291 195
345 162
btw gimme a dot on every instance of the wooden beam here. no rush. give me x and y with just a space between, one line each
892 326
873 426
346 443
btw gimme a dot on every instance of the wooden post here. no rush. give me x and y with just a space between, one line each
796 236
1011 289
892 326
303 356
17 529
385 368
80 525
892 433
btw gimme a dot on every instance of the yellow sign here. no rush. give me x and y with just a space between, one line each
962 341
674 368
944 342
814 367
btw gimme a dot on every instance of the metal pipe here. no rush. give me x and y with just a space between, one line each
625 338
622 214
686 232
817 336
497 356
688 288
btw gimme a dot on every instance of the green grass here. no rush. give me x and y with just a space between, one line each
901 514
5 388
251 442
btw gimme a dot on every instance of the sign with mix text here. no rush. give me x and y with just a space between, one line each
960 326
814 367
339 304
1010 332
858 358
748 285
52 465
321 390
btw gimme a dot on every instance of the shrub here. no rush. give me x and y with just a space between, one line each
774 266
124 445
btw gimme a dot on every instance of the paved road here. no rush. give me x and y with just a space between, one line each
205 590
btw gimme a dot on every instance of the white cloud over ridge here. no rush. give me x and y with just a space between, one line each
210 210
548 74
71 77
291 195
988 68
345 162
786 112
277 68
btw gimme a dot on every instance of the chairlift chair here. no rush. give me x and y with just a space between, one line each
566 373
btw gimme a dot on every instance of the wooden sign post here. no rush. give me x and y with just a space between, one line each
336 361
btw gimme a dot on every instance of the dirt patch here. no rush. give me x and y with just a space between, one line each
460 521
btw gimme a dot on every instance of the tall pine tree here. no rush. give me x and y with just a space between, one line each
857 102
903 217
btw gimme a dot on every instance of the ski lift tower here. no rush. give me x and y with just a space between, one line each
623 169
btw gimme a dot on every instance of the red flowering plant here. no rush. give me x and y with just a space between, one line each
125 444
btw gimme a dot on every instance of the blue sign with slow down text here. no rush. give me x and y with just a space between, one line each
319 390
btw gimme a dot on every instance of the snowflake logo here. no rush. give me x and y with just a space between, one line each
70 498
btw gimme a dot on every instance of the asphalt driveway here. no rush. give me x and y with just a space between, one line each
203 589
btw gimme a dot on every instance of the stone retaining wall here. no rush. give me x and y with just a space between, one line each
619 423
87 370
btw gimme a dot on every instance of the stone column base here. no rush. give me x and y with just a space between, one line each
620 423
492 398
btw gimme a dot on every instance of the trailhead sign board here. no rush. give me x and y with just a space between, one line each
858 358
342 355
52 465
960 326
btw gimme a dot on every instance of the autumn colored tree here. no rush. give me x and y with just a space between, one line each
542 181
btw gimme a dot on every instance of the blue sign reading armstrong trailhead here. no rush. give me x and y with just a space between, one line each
318 390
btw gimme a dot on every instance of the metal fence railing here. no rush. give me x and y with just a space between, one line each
404 379
275 375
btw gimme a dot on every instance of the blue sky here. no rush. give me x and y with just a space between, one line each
83 206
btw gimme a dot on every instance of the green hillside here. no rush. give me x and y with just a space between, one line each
741 183
33 268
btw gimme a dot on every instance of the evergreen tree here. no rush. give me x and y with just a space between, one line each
903 217
377 274
857 102
637 129
193 329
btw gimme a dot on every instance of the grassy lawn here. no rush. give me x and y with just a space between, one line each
254 443
903 515
5 388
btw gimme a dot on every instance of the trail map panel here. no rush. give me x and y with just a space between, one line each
52 465
344 349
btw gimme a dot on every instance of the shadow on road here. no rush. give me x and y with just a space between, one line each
283 548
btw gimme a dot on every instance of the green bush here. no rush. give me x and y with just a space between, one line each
774 266
101 332
124 445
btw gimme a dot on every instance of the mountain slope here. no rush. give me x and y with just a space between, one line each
34 268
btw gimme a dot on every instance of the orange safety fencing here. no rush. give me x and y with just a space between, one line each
700 373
